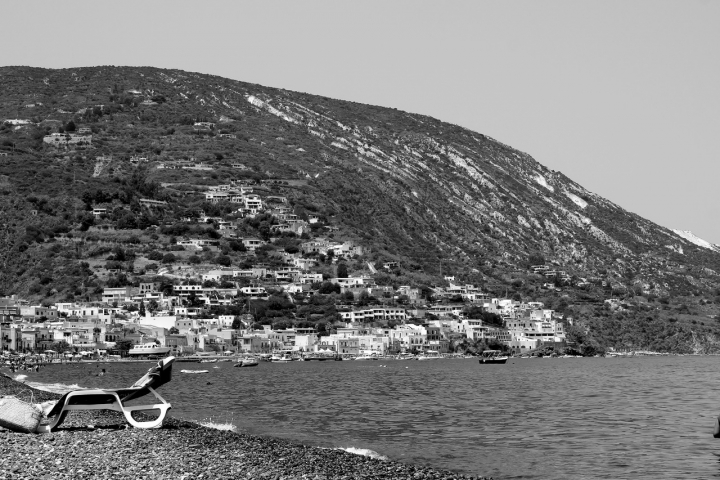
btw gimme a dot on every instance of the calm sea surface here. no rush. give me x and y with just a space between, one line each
536 419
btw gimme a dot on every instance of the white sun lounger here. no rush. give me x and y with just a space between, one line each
115 399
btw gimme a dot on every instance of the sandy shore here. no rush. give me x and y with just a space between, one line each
179 450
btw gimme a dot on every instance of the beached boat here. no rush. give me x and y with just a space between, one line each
493 357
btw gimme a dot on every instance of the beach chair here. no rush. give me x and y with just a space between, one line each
116 399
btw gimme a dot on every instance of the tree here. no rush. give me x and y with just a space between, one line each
342 271
327 288
70 126
123 345
223 260
168 258
141 310
60 346
173 331
237 324
153 306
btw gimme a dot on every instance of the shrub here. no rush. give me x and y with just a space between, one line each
154 255
223 260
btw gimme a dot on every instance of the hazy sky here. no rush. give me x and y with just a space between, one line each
621 96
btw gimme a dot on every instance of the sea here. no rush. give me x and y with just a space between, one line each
555 418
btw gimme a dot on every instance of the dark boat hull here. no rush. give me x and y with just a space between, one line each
492 360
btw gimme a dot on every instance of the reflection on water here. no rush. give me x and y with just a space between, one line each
540 418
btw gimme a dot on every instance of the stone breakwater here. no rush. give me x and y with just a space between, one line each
99 445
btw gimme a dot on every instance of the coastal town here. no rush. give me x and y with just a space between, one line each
196 309
89 327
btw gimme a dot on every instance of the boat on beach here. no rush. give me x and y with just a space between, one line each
149 349
493 357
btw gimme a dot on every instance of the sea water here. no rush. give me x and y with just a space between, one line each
641 417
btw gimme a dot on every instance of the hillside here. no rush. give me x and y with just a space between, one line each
434 197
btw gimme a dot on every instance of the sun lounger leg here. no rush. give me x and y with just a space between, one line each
157 423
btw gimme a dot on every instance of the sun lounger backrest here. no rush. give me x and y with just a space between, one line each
157 375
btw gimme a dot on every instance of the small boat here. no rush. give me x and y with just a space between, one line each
194 371
209 361
281 358
366 357
429 356
493 356
247 362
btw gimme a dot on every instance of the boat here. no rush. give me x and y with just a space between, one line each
215 360
281 358
247 362
493 356
149 349
194 371
366 357
431 355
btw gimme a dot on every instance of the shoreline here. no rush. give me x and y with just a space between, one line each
179 450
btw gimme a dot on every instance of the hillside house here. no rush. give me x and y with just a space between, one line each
256 293
215 197
252 243
204 126
253 203
198 243
146 202
120 295
64 139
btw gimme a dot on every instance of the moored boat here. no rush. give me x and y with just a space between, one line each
281 358
247 362
493 357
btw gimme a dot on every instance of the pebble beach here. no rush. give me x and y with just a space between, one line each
100 445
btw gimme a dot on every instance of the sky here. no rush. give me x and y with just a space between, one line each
621 96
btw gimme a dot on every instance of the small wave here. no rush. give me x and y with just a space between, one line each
219 426
365 452
59 388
